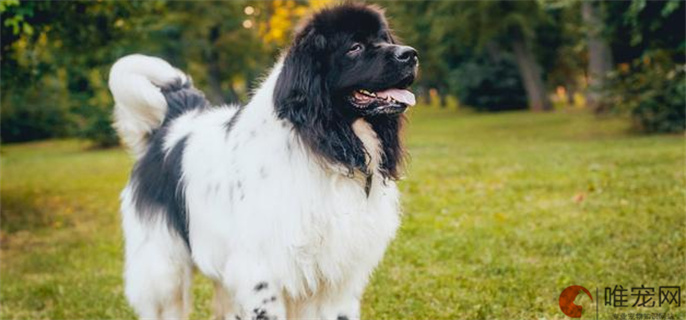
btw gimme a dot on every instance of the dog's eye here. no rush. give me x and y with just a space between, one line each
356 47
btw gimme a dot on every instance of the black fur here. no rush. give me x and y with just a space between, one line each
232 122
388 130
157 177
182 97
319 75
302 96
260 314
261 286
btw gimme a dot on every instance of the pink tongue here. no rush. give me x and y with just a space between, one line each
400 95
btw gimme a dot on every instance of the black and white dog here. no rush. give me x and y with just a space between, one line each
287 203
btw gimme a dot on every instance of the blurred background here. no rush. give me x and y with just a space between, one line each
623 58
547 150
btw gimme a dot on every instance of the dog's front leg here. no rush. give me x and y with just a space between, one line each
257 295
345 307
344 303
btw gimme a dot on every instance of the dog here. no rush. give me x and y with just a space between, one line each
287 203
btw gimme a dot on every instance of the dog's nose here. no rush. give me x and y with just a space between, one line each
406 54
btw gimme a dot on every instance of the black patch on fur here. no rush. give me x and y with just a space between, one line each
317 76
182 98
261 286
158 189
260 314
157 177
232 122
342 317
368 184
388 130
272 299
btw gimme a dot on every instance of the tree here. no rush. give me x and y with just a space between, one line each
449 27
56 57
427 26
452 59
52 63
223 50
599 52
530 71
562 47
514 25
648 40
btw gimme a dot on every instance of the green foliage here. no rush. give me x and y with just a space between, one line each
649 85
501 212
38 111
561 44
13 16
429 27
456 37
653 92
47 70
638 10
56 54
660 109
489 84
639 27
55 65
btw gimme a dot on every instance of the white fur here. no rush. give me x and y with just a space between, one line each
139 106
301 226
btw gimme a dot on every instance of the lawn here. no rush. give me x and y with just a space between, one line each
501 213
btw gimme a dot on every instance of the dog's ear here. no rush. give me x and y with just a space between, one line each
301 93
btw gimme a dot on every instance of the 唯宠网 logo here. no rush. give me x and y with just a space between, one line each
619 297
567 298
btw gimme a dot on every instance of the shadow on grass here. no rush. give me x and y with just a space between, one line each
32 210
20 211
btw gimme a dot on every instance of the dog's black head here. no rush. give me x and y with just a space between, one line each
344 65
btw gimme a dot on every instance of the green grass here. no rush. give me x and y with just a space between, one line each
501 213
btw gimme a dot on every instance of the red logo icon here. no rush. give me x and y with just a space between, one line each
567 301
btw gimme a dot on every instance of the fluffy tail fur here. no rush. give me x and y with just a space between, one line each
136 82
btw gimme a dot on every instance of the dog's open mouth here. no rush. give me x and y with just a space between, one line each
389 101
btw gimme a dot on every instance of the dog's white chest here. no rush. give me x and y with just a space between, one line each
311 229
281 210
348 237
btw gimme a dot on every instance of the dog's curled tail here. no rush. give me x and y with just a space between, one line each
136 82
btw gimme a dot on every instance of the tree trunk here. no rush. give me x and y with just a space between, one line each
215 93
530 71
599 52
571 90
426 92
442 97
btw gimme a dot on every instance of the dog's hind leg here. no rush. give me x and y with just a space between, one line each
158 268
158 275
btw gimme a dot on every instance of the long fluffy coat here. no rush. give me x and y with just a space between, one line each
285 222
259 207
